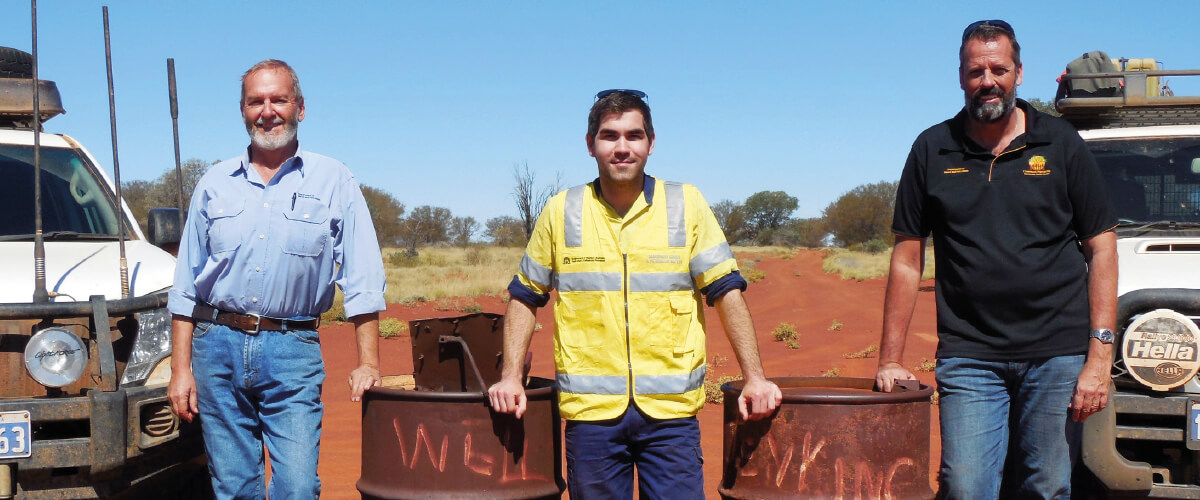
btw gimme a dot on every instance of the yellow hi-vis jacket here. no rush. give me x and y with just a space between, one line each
628 324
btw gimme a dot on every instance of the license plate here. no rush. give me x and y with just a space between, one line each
15 439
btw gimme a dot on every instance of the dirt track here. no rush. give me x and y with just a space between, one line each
795 291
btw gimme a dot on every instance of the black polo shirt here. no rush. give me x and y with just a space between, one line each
1011 278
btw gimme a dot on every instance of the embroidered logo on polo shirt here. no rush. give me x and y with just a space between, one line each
955 170
1037 166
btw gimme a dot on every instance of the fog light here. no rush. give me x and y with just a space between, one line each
55 357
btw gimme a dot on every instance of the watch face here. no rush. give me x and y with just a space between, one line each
1103 335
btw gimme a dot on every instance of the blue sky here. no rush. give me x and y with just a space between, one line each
435 102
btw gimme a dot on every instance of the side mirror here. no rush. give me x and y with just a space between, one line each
163 228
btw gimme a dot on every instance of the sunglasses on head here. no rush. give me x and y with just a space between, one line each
991 22
637 93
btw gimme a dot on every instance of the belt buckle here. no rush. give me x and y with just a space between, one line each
257 323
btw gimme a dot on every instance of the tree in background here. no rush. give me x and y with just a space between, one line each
505 231
800 233
528 198
1044 106
731 216
425 225
141 196
386 214
862 214
461 230
765 211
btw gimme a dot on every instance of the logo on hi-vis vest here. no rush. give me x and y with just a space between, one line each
576 260
1037 166
1161 349
664 259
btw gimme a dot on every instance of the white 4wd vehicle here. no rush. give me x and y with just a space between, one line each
1145 443
83 373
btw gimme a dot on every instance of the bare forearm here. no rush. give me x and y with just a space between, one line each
366 332
519 321
739 328
904 277
181 342
1101 252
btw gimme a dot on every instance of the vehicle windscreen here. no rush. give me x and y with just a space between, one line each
75 203
1152 180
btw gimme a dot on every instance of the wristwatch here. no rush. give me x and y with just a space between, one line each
1104 335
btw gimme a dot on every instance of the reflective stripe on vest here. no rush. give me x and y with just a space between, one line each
668 384
537 273
676 232
708 259
589 282
573 216
676 221
659 282
592 384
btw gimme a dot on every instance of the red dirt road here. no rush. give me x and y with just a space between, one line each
795 291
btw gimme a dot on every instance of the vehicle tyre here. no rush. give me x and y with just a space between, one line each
15 63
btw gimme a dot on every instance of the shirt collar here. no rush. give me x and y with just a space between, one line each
294 163
1035 131
647 188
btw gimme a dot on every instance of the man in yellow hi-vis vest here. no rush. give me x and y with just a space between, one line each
631 257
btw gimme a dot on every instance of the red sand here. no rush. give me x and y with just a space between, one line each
795 291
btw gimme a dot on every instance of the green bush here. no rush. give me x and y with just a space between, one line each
392 327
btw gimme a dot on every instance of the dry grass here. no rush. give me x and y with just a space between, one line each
392 327
712 388
718 361
925 366
758 252
784 332
865 353
832 372
449 272
836 326
862 265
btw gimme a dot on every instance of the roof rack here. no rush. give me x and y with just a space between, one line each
1135 104
16 102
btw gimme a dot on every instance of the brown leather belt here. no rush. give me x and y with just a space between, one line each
251 323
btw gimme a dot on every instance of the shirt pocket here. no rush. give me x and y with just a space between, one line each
305 228
675 323
224 228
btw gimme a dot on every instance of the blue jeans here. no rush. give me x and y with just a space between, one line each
256 389
601 457
998 413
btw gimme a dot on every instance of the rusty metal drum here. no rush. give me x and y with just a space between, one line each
833 437
438 439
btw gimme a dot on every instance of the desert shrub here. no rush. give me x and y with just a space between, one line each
791 344
875 245
836 326
832 372
718 361
925 366
753 274
785 331
403 259
392 327
336 312
476 256
865 353
712 388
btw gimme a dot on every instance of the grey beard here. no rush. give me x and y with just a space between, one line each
274 141
991 112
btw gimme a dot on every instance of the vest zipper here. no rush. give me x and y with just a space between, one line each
997 157
625 296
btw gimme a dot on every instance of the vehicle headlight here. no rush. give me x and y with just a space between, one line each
153 344
55 357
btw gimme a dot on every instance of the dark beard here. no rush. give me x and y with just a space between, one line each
991 112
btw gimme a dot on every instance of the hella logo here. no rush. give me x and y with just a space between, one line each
1158 350
1168 370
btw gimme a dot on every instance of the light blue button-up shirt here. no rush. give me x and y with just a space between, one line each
277 250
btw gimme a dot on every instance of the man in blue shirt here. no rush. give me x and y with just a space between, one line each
268 235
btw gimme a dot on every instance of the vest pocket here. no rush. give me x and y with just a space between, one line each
584 317
676 321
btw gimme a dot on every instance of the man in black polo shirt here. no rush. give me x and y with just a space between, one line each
1026 268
